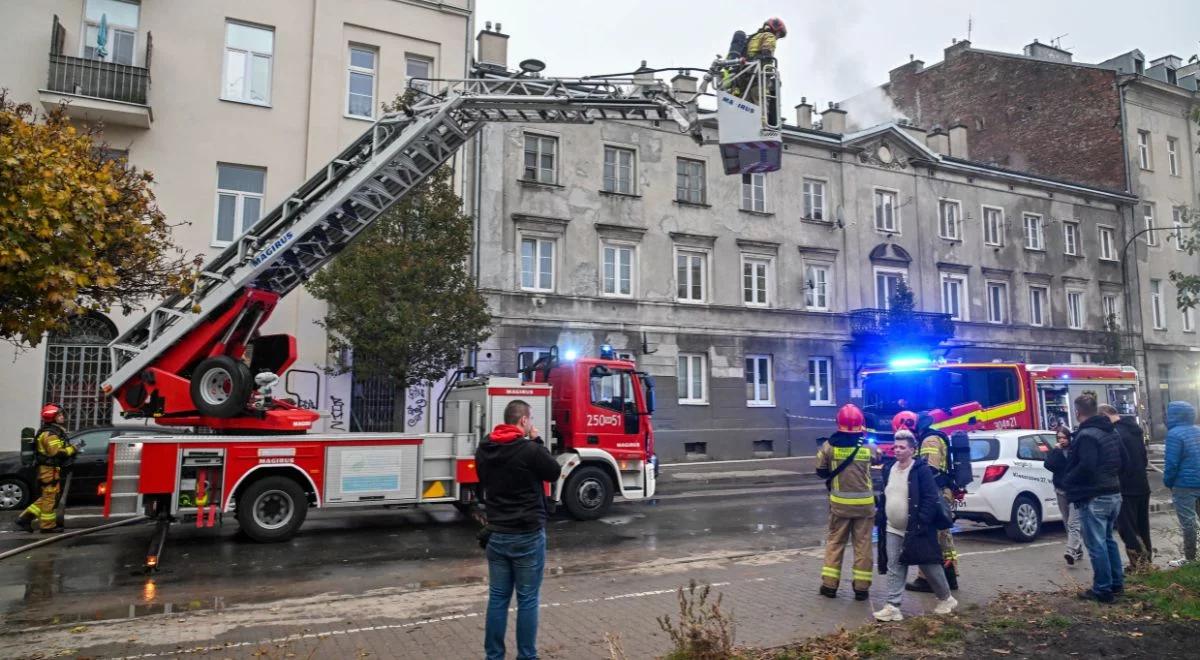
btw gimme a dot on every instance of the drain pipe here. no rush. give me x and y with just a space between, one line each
72 534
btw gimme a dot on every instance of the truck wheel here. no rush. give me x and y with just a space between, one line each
14 493
220 386
1025 523
272 509
588 493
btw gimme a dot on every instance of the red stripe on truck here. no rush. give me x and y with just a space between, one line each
519 391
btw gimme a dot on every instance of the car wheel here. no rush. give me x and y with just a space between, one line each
14 494
1025 523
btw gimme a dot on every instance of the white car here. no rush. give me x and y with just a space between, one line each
1012 486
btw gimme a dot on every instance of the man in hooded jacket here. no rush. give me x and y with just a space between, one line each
1181 472
1133 523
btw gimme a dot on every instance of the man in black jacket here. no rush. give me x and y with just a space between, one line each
514 466
1134 522
1092 482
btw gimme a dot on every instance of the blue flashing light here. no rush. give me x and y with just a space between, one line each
570 354
908 362
607 352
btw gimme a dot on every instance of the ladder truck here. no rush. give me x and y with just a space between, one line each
199 359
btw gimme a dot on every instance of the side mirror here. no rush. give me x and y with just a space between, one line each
648 383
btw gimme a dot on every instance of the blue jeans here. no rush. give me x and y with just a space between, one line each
1185 509
1099 516
515 562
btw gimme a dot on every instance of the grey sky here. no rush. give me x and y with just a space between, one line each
834 48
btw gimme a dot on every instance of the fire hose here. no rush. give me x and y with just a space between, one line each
66 535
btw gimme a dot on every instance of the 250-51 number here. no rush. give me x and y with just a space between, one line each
603 420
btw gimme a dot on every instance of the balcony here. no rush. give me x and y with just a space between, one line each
96 90
879 327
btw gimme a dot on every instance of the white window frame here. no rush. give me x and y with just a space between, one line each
690 177
541 140
962 298
881 270
1040 243
1173 155
1005 312
249 72
1148 222
1108 242
813 389
1157 313
1071 238
819 303
955 222
618 247
815 190
999 225
1177 225
1110 305
620 185
424 86
1189 319
686 396
1144 156
754 192
535 351
760 362
878 194
540 241
1043 317
239 205
1076 312
768 265
113 28
706 260
351 69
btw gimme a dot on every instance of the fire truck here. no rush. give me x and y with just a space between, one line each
990 395
199 359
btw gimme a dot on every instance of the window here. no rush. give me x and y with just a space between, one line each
1032 448
820 381
886 217
691 275
1177 227
527 355
1039 311
950 220
612 390
619 170
540 154
1144 149
618 270
760 382
1173 156
886 283
1148 217
691 378
1108 250
417 71
997 302
756 272
1033 232
248 53
1071 238
816 287
993 225
689 181
1075 310
239 200
122 20
1189 320
1112 309
1156 305
954 292
754 192
537 264
360 85
814 199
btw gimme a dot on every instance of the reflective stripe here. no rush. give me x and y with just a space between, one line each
34 510
852 501
862 575
830 572
930 450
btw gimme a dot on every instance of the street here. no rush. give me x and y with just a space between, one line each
412 583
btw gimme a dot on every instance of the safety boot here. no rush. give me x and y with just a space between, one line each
920 585
861 595
22 524
828 592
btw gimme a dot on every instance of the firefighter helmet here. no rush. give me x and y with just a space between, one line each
50 411
850 419
775 25
905 419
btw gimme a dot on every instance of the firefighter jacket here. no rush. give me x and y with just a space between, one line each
850 491
762 44
53 451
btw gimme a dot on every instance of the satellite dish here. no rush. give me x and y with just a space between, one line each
532 66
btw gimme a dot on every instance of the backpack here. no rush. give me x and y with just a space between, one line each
28 447
958 461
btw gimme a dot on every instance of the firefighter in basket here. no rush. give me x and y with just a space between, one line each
53 452
844 461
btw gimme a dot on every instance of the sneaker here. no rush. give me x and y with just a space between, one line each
1176 563
828 592
1103 597
920 585
889 613
946 606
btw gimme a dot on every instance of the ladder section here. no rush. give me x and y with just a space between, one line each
123 498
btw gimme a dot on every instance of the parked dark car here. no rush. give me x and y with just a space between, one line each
17 483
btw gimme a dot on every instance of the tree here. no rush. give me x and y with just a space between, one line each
81 232
1111 343
1187 285
402 295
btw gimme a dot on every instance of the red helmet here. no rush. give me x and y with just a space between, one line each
850 419
905 419
50 411
775 24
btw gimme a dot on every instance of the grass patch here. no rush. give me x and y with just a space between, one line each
1175 593
869 645
1057 621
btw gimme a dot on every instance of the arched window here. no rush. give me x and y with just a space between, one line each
77 362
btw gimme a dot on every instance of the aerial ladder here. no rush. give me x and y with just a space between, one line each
199 359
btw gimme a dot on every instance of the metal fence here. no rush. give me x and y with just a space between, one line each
76 364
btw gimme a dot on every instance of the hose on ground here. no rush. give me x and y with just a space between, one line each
66 535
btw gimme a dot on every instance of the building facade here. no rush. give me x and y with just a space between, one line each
231 105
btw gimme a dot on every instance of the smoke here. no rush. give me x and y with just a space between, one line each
870 108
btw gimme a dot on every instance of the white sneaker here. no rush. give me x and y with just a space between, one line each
945 606
1176 563
889 613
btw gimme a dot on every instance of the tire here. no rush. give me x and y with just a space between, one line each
271 509
14 494
1025 523
220 386
588 493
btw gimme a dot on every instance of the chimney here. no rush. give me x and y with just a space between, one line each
938 141
958 141
492 51
904 70
833 120
915 131
804 113
955 48
684 86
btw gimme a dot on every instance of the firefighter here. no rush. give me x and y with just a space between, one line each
53 451
844 461
762 43
935 449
